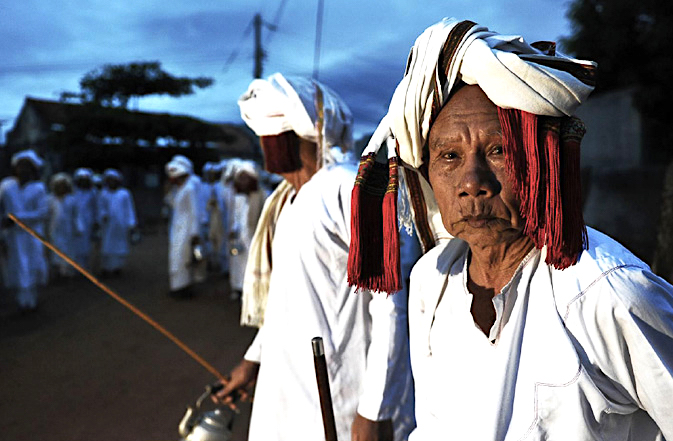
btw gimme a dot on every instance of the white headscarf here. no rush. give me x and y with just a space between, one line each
29 155
113 174
177 168
512 73
281 104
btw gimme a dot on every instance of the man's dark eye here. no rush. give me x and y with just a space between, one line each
449 155
497 150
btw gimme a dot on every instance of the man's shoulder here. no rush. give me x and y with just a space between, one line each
604 261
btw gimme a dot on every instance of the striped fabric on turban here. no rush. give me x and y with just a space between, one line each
533 87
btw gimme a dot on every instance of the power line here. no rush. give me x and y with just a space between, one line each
318 35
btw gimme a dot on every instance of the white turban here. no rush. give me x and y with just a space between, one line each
177 168
83 173
512 73
29 155
279 104
112 173
248 167
184 161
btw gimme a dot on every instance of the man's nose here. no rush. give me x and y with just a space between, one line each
478 180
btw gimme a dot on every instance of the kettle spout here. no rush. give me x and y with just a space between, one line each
186 424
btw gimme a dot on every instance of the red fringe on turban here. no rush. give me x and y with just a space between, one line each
543 160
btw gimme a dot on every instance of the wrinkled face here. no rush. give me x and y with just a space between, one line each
468 174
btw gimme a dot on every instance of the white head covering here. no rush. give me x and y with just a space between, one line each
60 177
83 173
97 178
29 155
512 73
207 167
184 161
177 168
280 104
112 173
248 167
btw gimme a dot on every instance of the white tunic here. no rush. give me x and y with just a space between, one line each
26 266
64 226
185 224
580 354
87 208
119 216
246 212
364 336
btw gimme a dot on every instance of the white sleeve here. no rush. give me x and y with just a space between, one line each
387 376
627 328
254 352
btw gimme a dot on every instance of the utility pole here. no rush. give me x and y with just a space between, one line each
318 35
259 52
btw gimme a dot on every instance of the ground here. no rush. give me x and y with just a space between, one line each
83 367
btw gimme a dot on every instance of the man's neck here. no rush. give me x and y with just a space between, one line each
309 165
491 268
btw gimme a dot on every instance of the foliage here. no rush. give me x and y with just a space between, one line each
113 85
630 41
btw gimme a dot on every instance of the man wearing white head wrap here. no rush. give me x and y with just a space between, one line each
304 232
247 207
87 211
64 223
524 324
185 224
24 196
118 219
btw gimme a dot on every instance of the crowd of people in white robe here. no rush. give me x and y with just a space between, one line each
89 217
212 220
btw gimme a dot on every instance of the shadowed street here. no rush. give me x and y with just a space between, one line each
84 367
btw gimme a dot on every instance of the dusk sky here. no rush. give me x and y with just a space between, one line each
47 46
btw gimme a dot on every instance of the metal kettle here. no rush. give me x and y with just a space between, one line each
213 425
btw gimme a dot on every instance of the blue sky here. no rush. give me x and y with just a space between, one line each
47 46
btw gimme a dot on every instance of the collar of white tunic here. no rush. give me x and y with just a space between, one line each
502 302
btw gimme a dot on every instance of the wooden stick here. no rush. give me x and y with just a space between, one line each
323 389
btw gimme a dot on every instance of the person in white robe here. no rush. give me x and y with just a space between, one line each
185 267
524 323
24 196
248 202
87 209
64 224
118 219
226 208
296 288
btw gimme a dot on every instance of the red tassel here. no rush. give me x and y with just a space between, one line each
374 256
544 172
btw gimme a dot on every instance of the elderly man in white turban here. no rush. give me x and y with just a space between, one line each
64 223
524 323
185 267
24 196
247 207
118 219
298 261
87 210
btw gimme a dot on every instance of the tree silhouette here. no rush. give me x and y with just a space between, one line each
113 85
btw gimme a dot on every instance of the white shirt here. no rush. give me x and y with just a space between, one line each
580 354
364 335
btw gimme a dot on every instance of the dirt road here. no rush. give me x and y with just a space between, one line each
83 367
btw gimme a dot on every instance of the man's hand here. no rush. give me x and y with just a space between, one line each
240 384
368 430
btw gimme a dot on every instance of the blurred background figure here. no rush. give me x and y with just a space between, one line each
186 264
64 224
87 210
118 222
216 218
25 196
248 202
